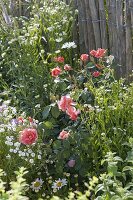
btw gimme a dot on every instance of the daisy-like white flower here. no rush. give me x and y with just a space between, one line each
69 45
37 184
58 184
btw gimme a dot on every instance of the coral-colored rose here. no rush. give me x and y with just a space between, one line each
63 135
96 74
20 119
67 67
65 102
28 136
72 112
56 72
84 57
59 59
30 119
99 53
71 163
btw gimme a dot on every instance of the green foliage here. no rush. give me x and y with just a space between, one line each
17 188
27 51
112 185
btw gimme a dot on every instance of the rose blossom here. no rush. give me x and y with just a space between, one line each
20 119
28 136
96 74
55 72
84 57
71 163
63 135
99 53
72 112
67 68
65 102
30 119
59 59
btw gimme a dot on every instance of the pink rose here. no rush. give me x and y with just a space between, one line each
72 112
63 135
55 72
59 59
71 163
67 68
65 102
84 57
96 74
28 136
99 53
30 119
20 119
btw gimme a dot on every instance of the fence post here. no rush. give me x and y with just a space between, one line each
129 57
96 27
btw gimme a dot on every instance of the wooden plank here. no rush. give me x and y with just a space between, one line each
90 33
131 9
5 14
114 28
75 31
103 26
82 26
129 46
96 27
120 43
83 5
110 27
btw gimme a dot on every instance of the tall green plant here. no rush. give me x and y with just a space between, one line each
29 46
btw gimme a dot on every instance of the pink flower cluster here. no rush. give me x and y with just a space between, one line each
55 72
99 53
66 104
59 59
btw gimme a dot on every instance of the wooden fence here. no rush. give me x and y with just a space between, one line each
100 24
106 24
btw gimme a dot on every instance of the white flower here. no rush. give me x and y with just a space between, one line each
8 138
17 144
23 154
10 143
110 59
8 156
13 110
11 150
43 195
58 184
69 45
31 161
30 151
7 102
39 157
37 184
5 113
59 39
15 151
32 154
2 130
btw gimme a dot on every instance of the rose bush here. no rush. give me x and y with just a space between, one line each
66 111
